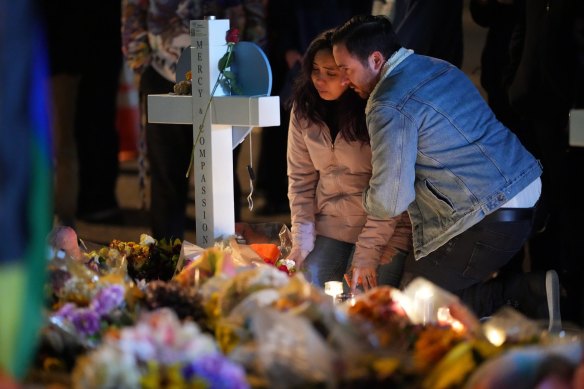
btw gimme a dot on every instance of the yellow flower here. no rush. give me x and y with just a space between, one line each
385 367
432 344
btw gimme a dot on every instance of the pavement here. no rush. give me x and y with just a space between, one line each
135 217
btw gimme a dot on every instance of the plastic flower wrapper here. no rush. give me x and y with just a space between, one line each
425 302
423 354
527 367
222 294
158 349
246 282
265 243
287 352
508 326
244 255
106 367
302 299
197 265
297 297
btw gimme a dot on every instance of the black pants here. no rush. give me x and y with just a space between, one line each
169 152
464 265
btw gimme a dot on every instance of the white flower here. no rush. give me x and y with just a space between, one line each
146 240
107 367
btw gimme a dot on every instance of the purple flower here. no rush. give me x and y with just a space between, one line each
217 371
108 299
86 321
67 311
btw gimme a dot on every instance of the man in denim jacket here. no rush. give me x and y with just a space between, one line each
467 182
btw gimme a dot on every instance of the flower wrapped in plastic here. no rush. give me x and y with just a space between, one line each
222 294
265 243
530 354
159 351
287 352
423 337
88 322
197 265
148 259
305 317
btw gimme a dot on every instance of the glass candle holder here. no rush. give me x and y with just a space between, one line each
345 297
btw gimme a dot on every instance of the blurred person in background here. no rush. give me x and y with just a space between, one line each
431 27
154 34
25 185
85 61
546 64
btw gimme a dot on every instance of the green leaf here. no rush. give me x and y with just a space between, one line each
222 65
229 75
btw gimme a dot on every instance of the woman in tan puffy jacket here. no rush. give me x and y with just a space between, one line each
329 166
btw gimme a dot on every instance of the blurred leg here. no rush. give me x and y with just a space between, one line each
327 261
391 273
169 150
64 96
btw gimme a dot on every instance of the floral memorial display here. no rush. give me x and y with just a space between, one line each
234 316
170 314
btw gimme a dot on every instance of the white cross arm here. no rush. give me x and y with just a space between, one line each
247 111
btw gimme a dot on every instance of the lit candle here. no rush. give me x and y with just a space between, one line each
495 335
333 288
423 299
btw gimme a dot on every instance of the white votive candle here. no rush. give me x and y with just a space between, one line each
333 288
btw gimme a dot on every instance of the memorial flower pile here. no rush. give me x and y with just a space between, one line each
230 318
160 351
87 321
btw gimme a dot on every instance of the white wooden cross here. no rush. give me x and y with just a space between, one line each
222 128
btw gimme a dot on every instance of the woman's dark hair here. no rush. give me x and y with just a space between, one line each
364 34
309 105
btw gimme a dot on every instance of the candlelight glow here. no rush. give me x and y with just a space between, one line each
444 317
333 288
424 293
495 335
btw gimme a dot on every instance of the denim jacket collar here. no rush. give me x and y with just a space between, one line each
395 59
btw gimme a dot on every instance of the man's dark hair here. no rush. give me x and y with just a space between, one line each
364 34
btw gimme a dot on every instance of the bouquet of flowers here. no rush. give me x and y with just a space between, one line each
160 351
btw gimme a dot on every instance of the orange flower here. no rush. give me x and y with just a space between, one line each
432 344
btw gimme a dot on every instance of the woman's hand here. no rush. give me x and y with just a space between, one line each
296 256
365 276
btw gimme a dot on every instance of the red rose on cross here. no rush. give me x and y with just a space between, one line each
232 35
